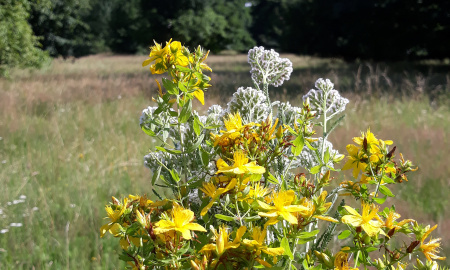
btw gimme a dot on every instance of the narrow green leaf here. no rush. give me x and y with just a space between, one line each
298 144
344 234
388 180
380 200
170 86
194 147
183 69
197 126
185 112
223 217
253 218
182 87
148 131
156 175
205 157
307 234
272 179
175 176
287 249
386 191
326 156
315 169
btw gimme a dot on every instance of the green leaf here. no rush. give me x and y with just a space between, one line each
182 87
272 179
175 176
194 147
326 156
148 131
344 234
388 180
298 144
287 249
380 200
185 112
386 191
183 250
304 235
253 218
315 169
156 175
171 151
170 86
223 217
205 157
183 69
197 126
370 249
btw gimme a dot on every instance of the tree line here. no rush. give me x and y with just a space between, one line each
33 30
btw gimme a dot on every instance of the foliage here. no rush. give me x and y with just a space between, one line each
19 47
238 179
60 25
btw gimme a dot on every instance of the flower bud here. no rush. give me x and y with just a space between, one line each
412 246
194 265
379 264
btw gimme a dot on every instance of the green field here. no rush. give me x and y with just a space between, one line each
70 139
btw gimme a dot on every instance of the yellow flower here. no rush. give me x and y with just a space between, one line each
431 248
113 215
355 160
222 242
211 191
282 207
257 244
390 221
157 54
370 222
176 53
258 191
234 126
241 165
341 260
181 221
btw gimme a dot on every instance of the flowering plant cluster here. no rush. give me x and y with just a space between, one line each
254 186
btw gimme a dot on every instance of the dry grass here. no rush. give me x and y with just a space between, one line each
70 140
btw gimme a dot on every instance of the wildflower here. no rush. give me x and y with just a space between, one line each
157 54
210 190
222 242
257 244
341 260
282 208
366 220
234 126
356 160
431 249
176 53
113 214
181 221
241 165
390 221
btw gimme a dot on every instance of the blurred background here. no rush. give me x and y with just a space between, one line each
69 131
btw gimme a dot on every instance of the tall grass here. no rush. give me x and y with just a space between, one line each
70 140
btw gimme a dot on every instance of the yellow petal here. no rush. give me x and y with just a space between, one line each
194 227
352 220
200 96
289 217
104 229
185 233
274 251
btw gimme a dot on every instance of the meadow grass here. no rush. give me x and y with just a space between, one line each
70 140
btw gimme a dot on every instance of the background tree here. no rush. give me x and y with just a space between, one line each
19 47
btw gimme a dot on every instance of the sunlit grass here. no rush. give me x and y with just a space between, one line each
70 140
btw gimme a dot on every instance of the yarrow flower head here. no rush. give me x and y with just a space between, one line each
268 67
326 99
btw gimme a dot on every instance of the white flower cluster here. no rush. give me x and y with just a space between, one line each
250 103
287 114
325 93
268 65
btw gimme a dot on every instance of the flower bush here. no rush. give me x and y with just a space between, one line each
239 197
